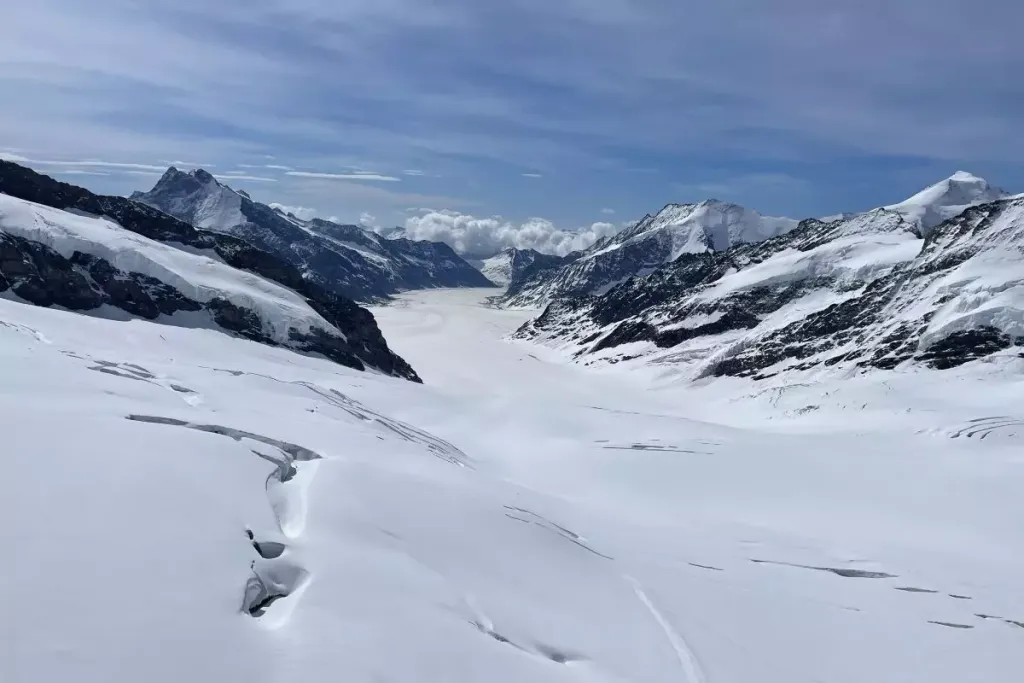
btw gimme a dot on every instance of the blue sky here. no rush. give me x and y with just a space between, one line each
567 112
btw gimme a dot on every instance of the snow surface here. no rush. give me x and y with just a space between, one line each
198 277
696 228
946 199
498 268
515 519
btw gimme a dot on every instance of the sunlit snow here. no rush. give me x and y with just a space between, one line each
187 506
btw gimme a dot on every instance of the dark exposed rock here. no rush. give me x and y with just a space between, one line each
84 282
878 321
966 345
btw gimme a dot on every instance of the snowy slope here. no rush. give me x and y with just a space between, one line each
511 263
197 277
513 520
865 292
343 258
91 264
675 230
946 199
713 226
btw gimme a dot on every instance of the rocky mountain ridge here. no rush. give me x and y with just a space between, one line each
343 258
867 291
83 277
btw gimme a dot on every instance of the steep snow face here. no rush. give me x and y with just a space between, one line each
196 276
946 199
511 263
498 268
866 292
676 230
91 264
709 225
274 518
343 258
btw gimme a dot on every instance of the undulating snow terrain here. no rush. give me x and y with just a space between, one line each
187 506
344 258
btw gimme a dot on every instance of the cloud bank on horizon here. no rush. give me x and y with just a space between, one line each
482 237
570 110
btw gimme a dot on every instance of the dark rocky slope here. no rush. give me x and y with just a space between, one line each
39 275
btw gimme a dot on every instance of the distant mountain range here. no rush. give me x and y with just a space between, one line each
712 289
343 258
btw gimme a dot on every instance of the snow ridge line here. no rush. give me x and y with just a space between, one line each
687 659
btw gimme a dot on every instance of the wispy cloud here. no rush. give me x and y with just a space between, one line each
533 175
303 212
73 171
345 176
608 212
92 163
187 164
471 89
251 178
413 172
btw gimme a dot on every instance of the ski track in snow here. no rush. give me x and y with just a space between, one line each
688 663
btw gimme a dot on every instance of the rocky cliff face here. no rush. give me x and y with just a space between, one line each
343 258
658 239
866 291
81 280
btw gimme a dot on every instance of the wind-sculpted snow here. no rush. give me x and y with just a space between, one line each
866 292
229 511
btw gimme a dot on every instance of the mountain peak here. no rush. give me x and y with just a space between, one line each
945 199
965 176
202 176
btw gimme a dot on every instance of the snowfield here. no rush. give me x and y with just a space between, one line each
187 506
198 276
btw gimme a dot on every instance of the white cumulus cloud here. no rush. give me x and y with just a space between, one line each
305 213
483 236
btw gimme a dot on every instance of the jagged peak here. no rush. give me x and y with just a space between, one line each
203 176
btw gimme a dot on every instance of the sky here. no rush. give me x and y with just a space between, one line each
519 122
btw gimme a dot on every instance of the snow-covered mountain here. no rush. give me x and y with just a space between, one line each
675 230
867 291
713 226
61 245
345 258
510 264
946 199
